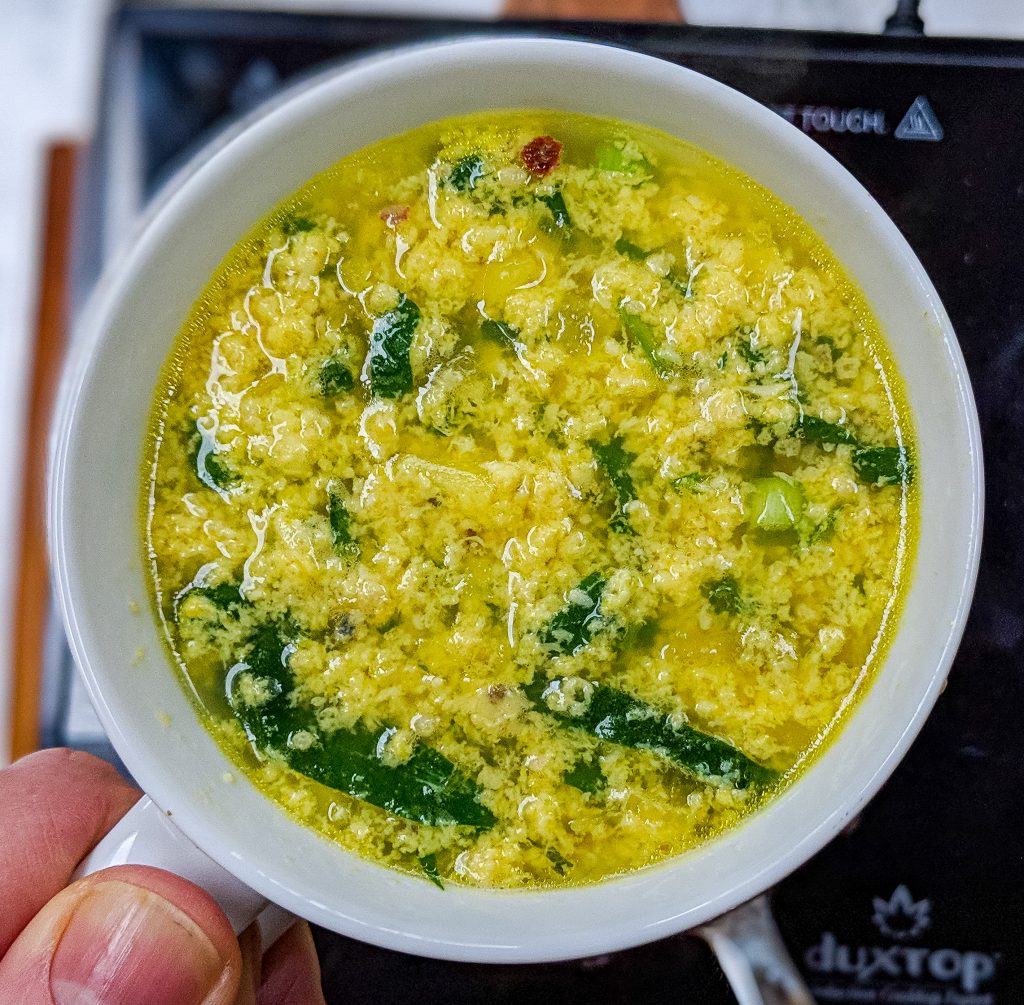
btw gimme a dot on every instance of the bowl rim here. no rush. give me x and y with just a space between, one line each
102 308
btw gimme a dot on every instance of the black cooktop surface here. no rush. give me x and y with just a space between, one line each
921 901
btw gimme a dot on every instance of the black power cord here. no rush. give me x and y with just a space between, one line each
905 19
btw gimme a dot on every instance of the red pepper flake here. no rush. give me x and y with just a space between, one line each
541 155
394 214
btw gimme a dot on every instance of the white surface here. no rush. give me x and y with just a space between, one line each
93 504
996 18
834 15
471 9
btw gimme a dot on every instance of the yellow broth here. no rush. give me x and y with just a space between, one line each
527 479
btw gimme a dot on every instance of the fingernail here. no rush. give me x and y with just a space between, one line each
125 944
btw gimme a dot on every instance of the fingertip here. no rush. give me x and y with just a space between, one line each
125 935
191 900
75 769
291 970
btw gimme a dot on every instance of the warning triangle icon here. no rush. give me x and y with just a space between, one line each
920 122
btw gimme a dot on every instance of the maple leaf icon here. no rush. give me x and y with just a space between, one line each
901 917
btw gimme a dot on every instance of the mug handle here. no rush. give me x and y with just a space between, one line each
753 956
146 835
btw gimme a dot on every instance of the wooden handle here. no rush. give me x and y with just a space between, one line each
32 597
595 10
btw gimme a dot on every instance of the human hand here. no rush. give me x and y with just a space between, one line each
129 935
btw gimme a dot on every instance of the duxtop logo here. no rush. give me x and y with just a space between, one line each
901 917
899 972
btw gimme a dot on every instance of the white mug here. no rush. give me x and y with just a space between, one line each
261 854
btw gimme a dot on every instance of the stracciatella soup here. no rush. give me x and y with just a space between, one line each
527 498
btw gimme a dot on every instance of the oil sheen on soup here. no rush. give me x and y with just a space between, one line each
527 499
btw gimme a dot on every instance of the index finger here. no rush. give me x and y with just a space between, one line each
55 805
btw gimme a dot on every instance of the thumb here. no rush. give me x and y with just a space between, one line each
124 936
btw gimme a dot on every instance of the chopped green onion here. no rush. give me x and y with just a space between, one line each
612 156
639 331
775 503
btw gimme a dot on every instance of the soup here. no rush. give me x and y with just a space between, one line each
527 498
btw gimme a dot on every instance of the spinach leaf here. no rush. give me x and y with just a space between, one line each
748 352
341 525
873 465
684 287
833 350
558 861
881 465
500 331
630 250
818 430
210 469
388 363
466 173
615 461
391 624
224 597
724 595
639 331
575 624
559 212
426 787
296 225
618 717
626 247
335 376
823 531
587 776
428 863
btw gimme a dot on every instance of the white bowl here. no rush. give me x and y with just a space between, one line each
96 534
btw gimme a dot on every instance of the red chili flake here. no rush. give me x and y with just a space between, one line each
394 214
541 155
